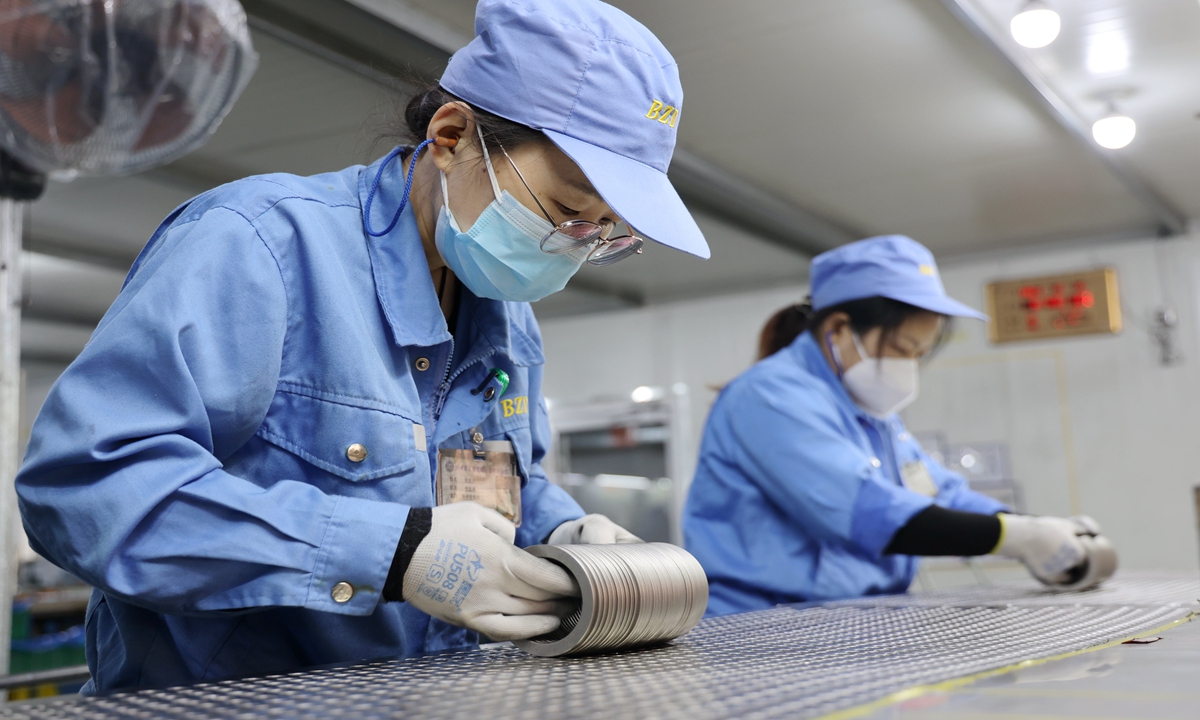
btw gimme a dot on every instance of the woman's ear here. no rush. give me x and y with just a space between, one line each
837 324
450 129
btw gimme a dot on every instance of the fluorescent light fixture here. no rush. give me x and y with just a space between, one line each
1036 26
1107 53
623 482
1114 132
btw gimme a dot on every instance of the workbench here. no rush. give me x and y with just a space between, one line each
878 655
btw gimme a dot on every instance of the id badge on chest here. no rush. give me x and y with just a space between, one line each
917 479
485 473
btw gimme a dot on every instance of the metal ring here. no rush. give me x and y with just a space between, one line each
1102 563
631 595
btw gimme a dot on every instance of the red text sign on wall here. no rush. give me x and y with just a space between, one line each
1080 303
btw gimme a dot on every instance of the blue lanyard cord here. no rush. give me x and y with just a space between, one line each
375 188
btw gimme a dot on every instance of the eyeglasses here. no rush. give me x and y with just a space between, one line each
573 235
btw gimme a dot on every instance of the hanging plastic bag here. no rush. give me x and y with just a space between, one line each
102 87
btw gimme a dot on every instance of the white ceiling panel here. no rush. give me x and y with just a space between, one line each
1143 55
890 116
887 115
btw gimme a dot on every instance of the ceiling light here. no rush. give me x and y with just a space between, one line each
1036 26
1115 131
644 394
1107 53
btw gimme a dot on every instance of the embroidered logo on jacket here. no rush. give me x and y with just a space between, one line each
515 406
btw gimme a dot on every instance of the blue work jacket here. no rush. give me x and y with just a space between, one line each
798 491
192 464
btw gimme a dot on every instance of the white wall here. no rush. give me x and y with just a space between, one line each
701 343
1095 424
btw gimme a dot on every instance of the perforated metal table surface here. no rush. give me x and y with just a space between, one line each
795 662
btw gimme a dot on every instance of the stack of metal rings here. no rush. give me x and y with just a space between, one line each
631 595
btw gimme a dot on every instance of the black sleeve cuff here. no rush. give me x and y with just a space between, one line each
418 525
939 531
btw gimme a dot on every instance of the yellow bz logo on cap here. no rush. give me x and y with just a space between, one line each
665 114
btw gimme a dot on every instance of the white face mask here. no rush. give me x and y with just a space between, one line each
880 386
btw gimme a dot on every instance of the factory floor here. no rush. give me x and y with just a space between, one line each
1156 681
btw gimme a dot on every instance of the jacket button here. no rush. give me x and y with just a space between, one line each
356 453
489 394
422 364
874 462
342 592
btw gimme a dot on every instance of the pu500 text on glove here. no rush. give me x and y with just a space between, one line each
468 572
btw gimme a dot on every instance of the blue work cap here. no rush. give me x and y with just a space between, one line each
890 266
601 87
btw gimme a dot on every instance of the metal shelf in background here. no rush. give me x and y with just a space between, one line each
58 676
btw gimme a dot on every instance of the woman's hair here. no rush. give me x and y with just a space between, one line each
865 315
782 328
497 131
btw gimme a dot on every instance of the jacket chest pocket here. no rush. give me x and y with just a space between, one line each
522 446
354 442
907 450
515 431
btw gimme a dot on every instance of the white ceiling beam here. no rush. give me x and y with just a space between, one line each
65 290
53 341
764 214
318 50
416 22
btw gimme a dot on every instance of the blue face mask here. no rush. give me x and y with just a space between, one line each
500 256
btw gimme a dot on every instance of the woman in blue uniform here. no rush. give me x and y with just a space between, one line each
247 458
809 487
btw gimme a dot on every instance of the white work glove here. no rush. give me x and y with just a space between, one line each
1048 546
468 572
1086 525
591 530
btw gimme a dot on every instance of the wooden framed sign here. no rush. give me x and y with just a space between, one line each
1041 308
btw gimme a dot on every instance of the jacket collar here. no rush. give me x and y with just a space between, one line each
808 353
405 288
506 326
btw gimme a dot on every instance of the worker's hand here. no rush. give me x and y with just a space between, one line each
591 530
468 572
1086 525
1049 546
